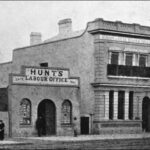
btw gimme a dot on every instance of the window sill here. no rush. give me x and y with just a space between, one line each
25 126
66 125
123 120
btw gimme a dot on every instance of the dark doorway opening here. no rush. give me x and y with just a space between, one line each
47 111
84 125
146 114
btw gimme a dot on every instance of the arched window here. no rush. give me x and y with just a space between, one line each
25 112
66 112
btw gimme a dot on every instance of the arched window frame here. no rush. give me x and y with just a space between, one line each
25 112
66 111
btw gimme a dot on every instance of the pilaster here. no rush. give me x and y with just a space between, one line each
115 104
126 108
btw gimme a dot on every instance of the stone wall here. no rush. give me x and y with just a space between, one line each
101 61
119 127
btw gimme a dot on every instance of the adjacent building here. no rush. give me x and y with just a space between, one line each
97 79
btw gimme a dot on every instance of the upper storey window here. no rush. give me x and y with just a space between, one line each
114 58
142 60
129 59
130 64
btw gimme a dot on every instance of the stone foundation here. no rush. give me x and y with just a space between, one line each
118 127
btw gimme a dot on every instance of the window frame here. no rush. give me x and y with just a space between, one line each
146 58
44 64
22 117
63 121
110 57
128 54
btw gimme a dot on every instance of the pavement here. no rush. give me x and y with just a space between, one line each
8 142
27 140
90 137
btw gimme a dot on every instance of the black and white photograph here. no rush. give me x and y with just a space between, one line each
74 75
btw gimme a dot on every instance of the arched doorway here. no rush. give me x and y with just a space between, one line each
146 114
47 110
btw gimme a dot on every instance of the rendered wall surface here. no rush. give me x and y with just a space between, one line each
36 94
5 69
75 54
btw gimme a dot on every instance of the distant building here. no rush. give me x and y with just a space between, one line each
98 79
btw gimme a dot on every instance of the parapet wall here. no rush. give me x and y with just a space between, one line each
100 24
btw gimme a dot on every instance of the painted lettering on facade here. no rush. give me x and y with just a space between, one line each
45 77
124 39
47 72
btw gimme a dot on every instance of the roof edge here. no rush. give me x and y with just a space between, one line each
49 42
119 26
9 62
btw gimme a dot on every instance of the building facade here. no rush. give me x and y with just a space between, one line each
121 83
96 79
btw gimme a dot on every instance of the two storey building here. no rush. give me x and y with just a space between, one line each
121 83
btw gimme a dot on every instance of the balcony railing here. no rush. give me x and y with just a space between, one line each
129 71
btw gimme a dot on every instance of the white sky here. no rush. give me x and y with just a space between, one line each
19 18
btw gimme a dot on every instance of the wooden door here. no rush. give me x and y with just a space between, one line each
84 125
146 114
46 109
50 118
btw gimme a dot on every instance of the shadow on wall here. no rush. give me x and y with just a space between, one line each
4 117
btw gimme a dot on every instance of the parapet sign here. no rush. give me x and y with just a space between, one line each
124 39
45 76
